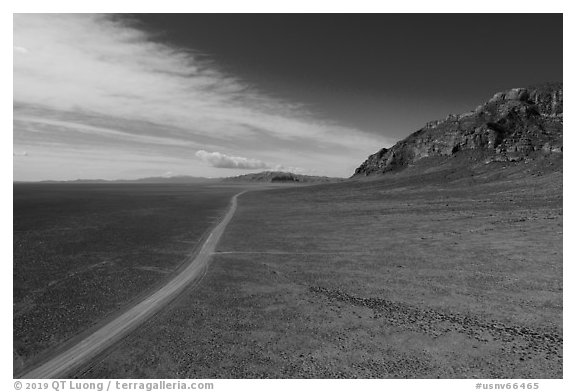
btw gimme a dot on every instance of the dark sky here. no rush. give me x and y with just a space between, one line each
381 73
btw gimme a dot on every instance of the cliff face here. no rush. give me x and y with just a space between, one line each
518 124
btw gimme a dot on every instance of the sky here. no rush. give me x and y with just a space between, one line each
132 96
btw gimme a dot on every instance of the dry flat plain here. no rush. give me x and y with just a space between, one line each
447 272
85 252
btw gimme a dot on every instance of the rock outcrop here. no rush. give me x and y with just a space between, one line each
514 125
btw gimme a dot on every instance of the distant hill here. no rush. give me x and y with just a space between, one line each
279 177
146 180
521 124
170 180
263 177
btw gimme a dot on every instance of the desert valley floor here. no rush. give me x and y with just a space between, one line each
440 273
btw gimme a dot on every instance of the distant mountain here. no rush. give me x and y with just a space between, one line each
263 177
171 180
514 125
147 180
279 177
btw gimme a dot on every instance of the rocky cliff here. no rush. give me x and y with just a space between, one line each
519 124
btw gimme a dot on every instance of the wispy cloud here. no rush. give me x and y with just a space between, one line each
103 81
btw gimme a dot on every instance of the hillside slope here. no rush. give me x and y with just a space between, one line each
428 275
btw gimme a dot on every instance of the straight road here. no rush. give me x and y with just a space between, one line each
79 354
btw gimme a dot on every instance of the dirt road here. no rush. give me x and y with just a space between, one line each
88 348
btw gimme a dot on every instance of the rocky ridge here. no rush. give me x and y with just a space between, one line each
279 177
514 125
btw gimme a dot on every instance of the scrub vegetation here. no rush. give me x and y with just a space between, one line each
84 251
437 271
